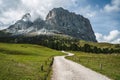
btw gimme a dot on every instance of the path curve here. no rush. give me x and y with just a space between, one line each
64 69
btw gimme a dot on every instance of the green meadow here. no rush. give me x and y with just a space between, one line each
25 61
107 64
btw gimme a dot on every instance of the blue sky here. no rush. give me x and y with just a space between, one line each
104 15
101 3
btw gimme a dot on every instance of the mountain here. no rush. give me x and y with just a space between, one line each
58 21
70 24
21 25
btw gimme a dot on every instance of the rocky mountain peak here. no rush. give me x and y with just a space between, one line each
26 17
56 12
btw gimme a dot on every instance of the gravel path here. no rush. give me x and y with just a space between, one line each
64 69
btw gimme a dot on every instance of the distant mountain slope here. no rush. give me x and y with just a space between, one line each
58 21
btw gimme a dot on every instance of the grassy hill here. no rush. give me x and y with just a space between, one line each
25 61
100 45
107 64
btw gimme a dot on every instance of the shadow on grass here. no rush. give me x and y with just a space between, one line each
14 52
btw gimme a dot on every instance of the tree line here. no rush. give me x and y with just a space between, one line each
59 43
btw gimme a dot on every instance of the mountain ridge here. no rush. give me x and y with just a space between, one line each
58 21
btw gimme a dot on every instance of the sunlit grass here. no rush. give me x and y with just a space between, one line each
25 61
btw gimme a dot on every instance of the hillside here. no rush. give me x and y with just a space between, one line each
25 61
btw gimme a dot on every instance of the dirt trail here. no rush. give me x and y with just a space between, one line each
64 69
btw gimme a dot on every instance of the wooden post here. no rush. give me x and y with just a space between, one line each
101 66
79 59
88 61
45 62
52 62
41 68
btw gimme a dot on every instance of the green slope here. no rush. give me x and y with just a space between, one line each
25 61
100 45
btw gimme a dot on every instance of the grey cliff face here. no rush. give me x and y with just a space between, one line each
70 24
39 23
58 21
19 26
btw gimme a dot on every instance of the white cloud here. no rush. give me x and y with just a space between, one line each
113 7
0 2
116 41
99 37
11 15
42 7
13 10
112 37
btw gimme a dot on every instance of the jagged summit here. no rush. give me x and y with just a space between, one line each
58 21
56 11
26 17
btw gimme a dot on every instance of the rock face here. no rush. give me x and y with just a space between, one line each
70 24
58 21
21 25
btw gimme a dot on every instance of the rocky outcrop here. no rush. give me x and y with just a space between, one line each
58 21
21 25
70 24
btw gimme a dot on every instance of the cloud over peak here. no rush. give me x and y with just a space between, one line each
9 9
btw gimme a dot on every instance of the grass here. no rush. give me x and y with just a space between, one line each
100 45
107 64
25 61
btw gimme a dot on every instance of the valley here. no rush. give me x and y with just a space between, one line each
30 49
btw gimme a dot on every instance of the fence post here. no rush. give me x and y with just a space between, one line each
41 68
79 59
52 62
45 62
101 66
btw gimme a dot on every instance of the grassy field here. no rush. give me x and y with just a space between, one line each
25 61
107 64
100 45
